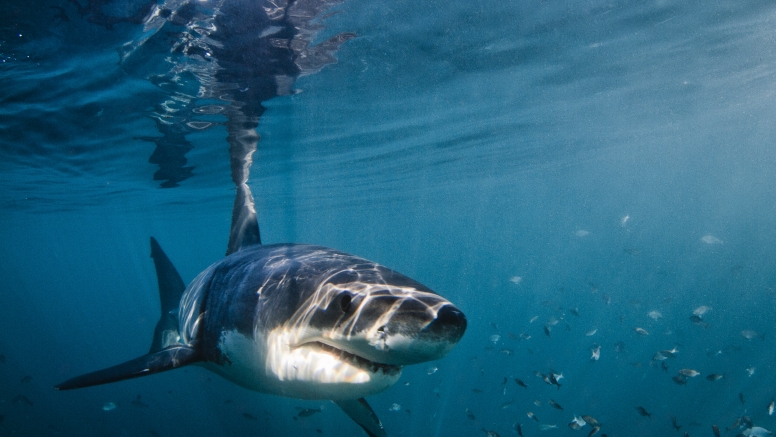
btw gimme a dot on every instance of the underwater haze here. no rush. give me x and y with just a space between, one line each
590 182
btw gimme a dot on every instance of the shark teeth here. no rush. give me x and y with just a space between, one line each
356 360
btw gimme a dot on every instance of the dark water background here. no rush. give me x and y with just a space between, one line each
460 143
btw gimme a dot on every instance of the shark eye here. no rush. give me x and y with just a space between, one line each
345 302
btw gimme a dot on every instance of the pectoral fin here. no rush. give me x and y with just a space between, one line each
361 413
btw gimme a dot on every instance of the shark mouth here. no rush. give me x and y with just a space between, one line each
355 360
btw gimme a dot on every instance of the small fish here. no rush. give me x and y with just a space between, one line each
538 403
431 370
750 334
591 332
734 425
619 347
714 377
574 311
138 403
750 371
595 430
547 331
516 280
533 319
596 353
715 429
607 298
552 379
521 383
643 412
490 433
513 336
577 423
701 310
679 379
582 233
545 427
307 412
747 422
698 321
659 357
654 315
249 416
519 429
710 239
507 352
641 331
532 416
670 353
495 338
690 373
525 336
470 415
664 366
506 405
771 407
555 405
674 424
590 420
108 406
395 407
741 397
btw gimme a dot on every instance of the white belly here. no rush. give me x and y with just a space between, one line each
269 365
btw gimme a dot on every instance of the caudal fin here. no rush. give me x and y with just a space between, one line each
164 353
167 359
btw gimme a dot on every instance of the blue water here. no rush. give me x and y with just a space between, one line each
584 147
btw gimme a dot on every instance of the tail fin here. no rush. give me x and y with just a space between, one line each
171 289
167 359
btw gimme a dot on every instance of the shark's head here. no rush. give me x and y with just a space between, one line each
364 323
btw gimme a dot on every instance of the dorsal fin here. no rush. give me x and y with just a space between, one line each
245 226
243 141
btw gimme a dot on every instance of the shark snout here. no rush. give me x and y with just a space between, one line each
414 337
449 326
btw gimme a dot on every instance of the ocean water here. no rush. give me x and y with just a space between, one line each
572 166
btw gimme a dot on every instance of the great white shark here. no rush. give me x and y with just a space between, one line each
294 320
